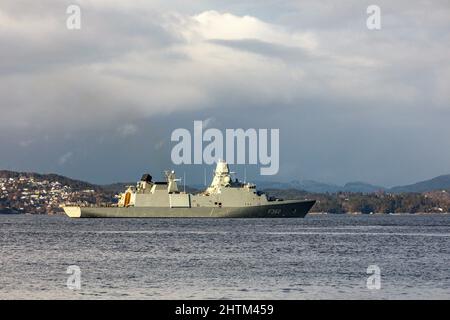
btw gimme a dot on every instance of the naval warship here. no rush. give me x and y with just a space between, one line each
224 198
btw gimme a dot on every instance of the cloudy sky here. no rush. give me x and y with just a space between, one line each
351 104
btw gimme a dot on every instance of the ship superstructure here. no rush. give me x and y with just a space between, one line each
225 197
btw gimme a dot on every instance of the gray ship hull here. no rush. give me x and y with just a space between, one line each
277 209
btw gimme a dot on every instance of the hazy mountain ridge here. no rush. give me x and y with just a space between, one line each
321 187
438 183
441 182
435 184
28 192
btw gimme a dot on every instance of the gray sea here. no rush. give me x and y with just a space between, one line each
319 257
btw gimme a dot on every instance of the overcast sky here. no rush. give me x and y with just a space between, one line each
351 104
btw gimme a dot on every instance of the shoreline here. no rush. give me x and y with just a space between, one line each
309 214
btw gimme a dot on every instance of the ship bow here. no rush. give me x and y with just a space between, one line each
73 212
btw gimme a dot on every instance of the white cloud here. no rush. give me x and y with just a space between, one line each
213 25
65 158
128 129
123 66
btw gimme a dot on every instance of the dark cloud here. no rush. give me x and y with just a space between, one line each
351 104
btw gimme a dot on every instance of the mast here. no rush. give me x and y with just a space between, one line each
204 175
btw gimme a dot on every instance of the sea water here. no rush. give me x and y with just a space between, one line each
319 257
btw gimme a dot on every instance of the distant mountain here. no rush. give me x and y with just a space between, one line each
77 184
320 187
438 183
362 187
315 187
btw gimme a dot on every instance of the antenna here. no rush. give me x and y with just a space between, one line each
245 175
204 174
184 182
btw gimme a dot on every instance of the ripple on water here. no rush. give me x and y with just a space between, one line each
317 257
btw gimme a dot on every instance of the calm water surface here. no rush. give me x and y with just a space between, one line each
313 258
